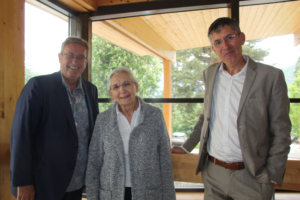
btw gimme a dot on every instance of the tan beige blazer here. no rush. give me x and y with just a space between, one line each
263 122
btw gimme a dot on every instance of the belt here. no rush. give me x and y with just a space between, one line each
231 166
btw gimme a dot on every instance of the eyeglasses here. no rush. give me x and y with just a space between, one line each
125 85
71 57
227 39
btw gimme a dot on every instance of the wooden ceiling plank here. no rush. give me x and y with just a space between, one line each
203 28
172 20
115 2
136 29
251 23
207 18
275 20
195 27
214 14
281 22
73 5
91 5
223 12
189 32
165 22
260 9
121 40
292 29
158 23
101 30
263 22
269 15
243 17
292 20
181 31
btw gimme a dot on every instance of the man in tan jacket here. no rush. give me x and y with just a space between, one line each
244 131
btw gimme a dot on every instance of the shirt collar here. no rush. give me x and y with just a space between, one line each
79 83
119 112
242 72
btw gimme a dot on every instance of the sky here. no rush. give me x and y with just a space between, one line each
45 32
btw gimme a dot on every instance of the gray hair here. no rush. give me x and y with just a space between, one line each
119 70
75 40
219 23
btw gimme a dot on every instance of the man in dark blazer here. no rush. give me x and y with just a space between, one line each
244 131
51 130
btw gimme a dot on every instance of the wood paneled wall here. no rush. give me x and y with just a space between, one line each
11 80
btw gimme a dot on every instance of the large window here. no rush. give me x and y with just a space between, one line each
44 33
106 56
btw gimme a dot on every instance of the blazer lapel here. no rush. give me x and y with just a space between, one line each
88 97
209 87
64 101
250 77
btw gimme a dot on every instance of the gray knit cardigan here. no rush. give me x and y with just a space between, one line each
149 156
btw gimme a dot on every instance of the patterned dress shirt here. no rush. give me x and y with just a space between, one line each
81 118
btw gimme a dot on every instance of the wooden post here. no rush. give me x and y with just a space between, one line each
168 94
86 34
11 80
233 10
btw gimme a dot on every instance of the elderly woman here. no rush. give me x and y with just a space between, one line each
129 154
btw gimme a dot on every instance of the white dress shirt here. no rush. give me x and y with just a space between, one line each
125 130
223 141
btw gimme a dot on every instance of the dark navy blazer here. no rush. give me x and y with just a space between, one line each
44 142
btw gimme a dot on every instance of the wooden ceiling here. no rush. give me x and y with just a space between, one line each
186 30
164 34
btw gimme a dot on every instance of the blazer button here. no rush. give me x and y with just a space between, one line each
75 146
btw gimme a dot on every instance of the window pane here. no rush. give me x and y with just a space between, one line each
148 70
44 33
281 53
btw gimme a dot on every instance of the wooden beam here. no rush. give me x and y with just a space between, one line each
167 107
88 4
11 80
106 31
139 31
86 34
116 2
73 5
233 10
153 7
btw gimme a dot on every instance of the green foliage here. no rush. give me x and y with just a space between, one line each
257 54
29 72
297 68
294 91
107 56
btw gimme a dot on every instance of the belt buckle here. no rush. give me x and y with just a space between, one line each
225 166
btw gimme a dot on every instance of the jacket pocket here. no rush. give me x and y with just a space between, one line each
263 151
154 194
105 194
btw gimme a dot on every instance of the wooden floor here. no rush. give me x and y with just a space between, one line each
279 195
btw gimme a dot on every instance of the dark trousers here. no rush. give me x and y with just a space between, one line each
74 195
127 193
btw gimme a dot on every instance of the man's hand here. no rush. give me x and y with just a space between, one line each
26 192
178 150
274 184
